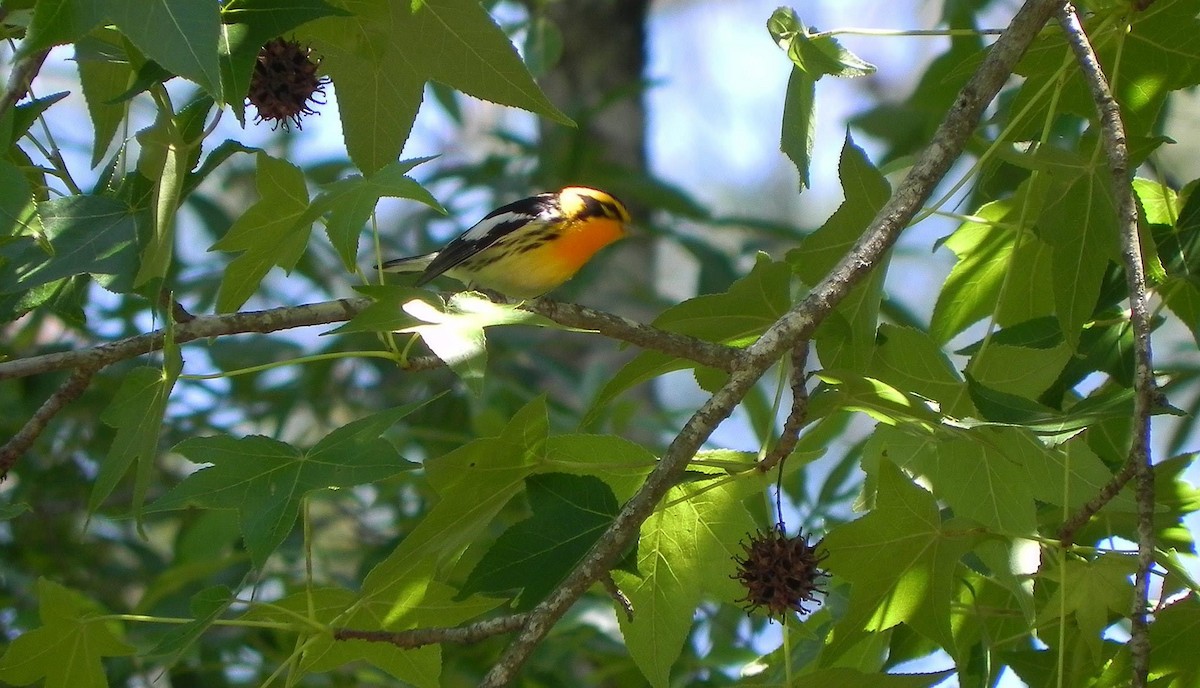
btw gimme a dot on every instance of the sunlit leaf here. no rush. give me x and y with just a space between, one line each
67 648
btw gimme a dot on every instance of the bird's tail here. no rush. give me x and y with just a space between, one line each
409 264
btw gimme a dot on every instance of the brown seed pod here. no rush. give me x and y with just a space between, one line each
284 82
779 573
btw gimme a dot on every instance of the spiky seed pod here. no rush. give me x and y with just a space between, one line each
284 82
779 573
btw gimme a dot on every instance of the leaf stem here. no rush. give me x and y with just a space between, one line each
291 361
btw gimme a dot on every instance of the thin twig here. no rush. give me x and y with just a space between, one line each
21 77
328 312
189 328
1112 131
948 143
418 637
69 391
201 327
648 337
610 586
1066 534
797 417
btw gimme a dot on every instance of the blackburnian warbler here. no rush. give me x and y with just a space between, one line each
528 247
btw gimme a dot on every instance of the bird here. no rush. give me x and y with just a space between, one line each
528 247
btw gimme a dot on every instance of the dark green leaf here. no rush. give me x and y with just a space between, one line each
136 412
380 58
66 650
181 35
569 513
86 234
473 484
18 213
350 203
207 606
265 479
104 73
847 341
267 234
799 122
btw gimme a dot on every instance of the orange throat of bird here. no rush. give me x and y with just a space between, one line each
580 242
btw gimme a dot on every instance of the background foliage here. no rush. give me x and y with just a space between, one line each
208 514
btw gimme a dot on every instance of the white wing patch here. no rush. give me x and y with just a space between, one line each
487 225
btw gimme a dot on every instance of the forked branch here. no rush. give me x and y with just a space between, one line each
1138 460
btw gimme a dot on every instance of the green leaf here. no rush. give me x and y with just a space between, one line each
1079 222
136 412
473 483
265 479
865 191
18 211
910 360
1067 475
455 333
814 55
569 513
267 234
799 122
1019 370
843 677
736 317
984 246
381 58
1096 592
387 313
980 475
901 561
844 391
67 648
86 234
1174 635
847 340
169 150
685 551
350 203
217 157
1153 49
181 35
1182 296
620 463
206 607
328 606
104 73
24 116
11 511
1004 407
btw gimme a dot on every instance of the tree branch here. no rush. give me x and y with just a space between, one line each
19 80
418 637
797 417
682 346
1138 462
1066 533
23 440
201 327
799 323
190 328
